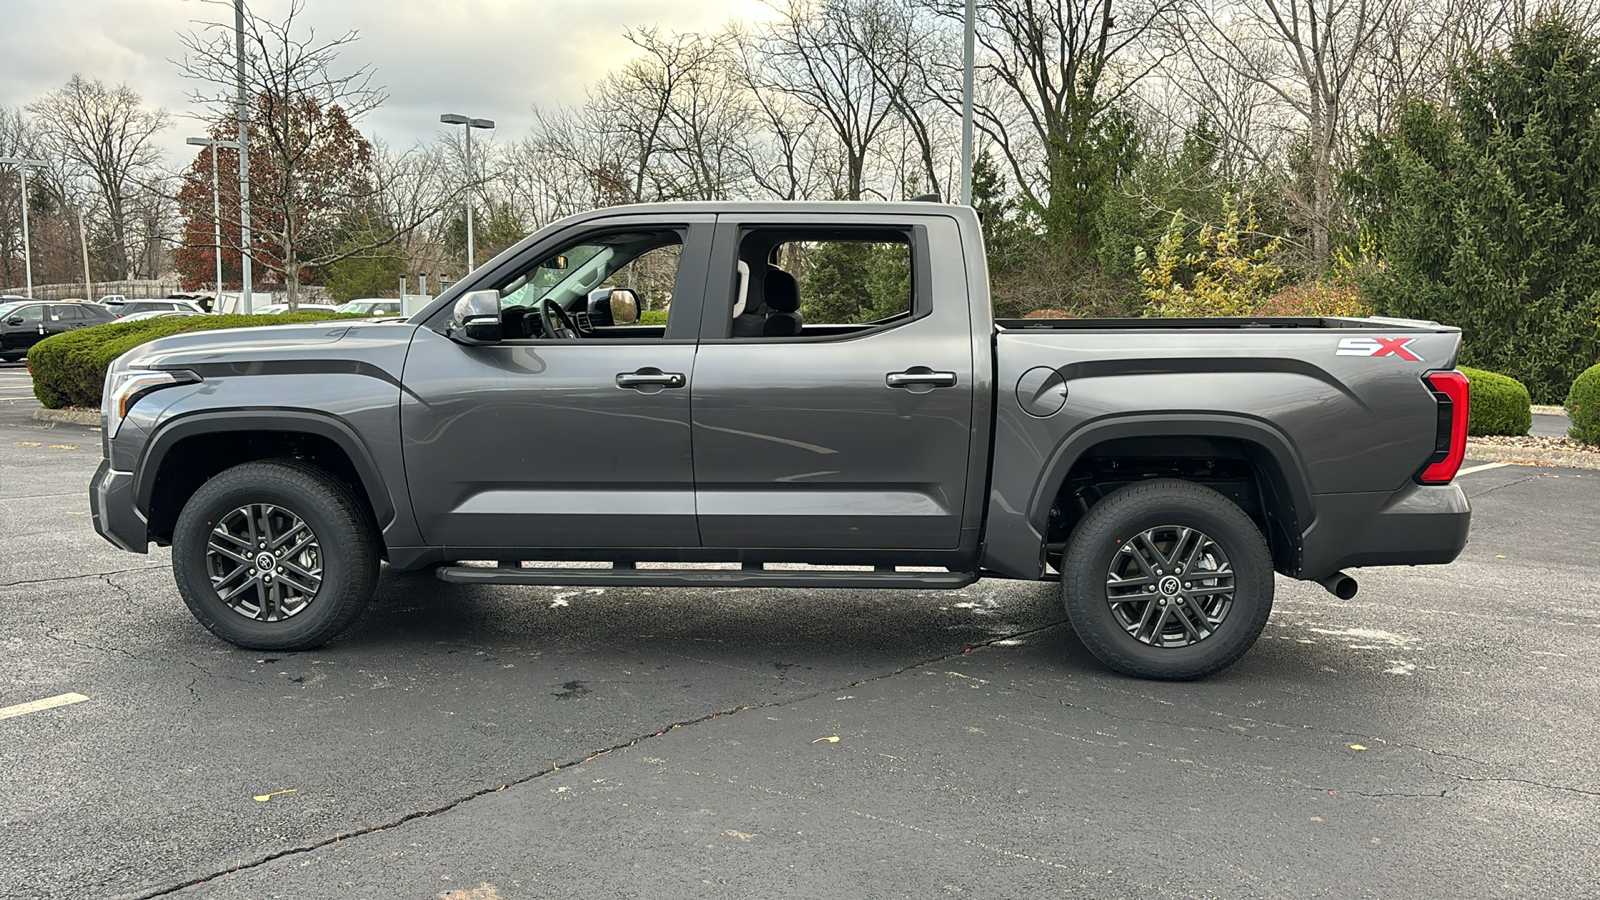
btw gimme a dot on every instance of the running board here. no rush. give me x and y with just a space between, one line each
741 578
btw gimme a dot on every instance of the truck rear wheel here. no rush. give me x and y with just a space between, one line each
1167 579
274 556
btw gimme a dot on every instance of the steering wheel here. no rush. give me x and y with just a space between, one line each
556 323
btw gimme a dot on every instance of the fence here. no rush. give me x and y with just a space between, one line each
146 289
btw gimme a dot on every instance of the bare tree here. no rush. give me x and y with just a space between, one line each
1051 77
784 152
315 169
814 53
1312 55
105 134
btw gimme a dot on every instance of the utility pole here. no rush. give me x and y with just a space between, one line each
453 119
216 208
83 238
244 163
968 39
23 165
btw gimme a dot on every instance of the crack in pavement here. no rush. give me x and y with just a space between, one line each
623 745
1497 487
85 575
61 638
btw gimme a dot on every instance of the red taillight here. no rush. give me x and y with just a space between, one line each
1453 393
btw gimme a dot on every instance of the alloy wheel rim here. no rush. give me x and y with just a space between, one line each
264 561
1170 586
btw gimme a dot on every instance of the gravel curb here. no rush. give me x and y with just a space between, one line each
1533 456
68 416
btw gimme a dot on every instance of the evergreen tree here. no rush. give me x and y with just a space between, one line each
1488 215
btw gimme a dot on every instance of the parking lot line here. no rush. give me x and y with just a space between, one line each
22 709
1483 468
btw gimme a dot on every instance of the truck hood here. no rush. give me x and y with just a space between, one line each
236 346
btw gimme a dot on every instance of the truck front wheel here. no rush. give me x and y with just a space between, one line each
274 556
1167 579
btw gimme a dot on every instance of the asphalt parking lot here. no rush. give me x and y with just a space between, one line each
1436 736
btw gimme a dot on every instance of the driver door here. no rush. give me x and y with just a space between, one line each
538 442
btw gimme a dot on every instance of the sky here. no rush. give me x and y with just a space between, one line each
489 59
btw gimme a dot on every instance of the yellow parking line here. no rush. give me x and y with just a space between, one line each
1483 468
22 709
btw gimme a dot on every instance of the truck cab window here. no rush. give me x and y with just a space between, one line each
608 286
799 284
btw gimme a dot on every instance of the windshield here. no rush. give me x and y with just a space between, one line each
6 309
585 267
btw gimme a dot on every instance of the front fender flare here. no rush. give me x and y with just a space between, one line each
169 433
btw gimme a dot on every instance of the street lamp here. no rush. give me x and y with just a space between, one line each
453 119
23 165
216 207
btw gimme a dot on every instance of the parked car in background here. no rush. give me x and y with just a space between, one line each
24 323
124 308
159 314
203 299
280 308
109 299
371 306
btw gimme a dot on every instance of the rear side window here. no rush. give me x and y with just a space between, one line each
822 283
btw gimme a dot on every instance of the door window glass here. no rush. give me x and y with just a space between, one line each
821 284
30 315
67 313
592 281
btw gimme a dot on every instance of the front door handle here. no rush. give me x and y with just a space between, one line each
919 376
650 379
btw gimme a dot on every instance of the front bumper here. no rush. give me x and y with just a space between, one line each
1421 524
116 518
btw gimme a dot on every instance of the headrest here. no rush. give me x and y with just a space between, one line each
781 292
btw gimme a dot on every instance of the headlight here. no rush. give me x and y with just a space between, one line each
125 387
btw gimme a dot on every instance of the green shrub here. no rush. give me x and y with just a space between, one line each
70 369
1583 405
653 317
1500 405
1317 299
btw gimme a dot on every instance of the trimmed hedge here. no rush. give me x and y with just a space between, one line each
1500 404
70 369
1583 406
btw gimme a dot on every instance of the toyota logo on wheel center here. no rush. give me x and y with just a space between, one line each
1169 585
265 561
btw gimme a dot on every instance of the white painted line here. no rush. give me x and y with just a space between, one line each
1483 468
22 709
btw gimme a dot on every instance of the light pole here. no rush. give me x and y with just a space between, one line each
969 32
216 207
247 278
23 165
453 119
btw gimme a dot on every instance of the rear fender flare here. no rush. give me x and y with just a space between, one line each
1258 432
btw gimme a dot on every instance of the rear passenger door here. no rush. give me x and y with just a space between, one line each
65 317
846 423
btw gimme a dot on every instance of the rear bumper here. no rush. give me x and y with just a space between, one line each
116 518
1417 525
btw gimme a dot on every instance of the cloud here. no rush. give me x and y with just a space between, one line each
487 58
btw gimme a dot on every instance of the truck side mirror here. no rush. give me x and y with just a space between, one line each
476 318
624 307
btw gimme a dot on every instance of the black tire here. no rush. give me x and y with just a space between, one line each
339 565
1200 627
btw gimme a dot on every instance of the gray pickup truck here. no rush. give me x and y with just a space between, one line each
826 402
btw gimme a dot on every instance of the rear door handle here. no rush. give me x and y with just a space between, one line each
920 375
650 378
